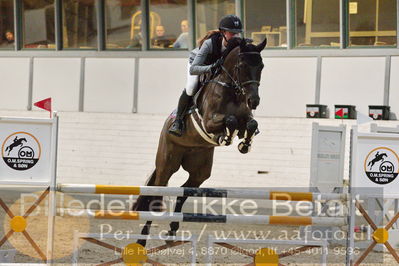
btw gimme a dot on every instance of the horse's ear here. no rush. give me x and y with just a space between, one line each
261 46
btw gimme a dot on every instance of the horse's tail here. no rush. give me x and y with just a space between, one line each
143 202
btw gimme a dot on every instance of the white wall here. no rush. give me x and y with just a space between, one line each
394 86
109 85
161 81
287 85
14 83
58 78
354 81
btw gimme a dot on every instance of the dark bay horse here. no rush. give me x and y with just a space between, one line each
224 110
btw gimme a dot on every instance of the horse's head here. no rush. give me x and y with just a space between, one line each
244 66
250 67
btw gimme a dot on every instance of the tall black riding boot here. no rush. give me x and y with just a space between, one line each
177 127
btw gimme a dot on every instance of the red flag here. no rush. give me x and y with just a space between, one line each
340 113
44 104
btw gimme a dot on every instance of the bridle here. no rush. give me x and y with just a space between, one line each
236 84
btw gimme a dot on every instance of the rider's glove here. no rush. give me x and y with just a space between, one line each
217 64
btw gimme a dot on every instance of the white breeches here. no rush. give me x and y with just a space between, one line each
192 82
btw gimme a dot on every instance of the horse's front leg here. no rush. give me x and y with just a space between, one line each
220 122
230 131
251 128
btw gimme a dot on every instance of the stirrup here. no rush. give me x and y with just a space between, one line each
176 128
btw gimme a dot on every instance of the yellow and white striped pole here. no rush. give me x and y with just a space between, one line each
208 218
199 192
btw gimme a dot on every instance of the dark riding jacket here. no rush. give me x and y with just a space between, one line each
202 58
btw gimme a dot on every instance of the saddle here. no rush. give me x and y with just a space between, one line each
194 113
202 81
192 105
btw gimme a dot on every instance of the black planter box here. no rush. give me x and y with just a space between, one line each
379 112
349 111
316 111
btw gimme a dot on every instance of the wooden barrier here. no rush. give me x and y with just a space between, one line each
133 254
264 256
260 194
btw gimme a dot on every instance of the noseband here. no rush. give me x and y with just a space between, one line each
236 84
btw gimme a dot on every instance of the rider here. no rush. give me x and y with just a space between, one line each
205 59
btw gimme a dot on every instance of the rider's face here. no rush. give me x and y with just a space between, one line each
230 35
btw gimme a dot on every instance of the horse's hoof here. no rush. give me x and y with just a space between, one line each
142 242
244 148
170 233
224 141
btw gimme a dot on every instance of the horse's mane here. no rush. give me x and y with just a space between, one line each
231 44
245 45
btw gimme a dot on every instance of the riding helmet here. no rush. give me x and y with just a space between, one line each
231 23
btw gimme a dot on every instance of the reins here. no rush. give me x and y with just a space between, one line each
237 85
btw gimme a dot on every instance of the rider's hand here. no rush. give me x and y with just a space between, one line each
217 64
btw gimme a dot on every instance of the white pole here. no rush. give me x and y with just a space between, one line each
76 238
51 196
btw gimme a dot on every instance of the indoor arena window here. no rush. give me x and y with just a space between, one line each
123 24
266 18
317 23
7 38
169 26
209 13
38 24
79 24
372 23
